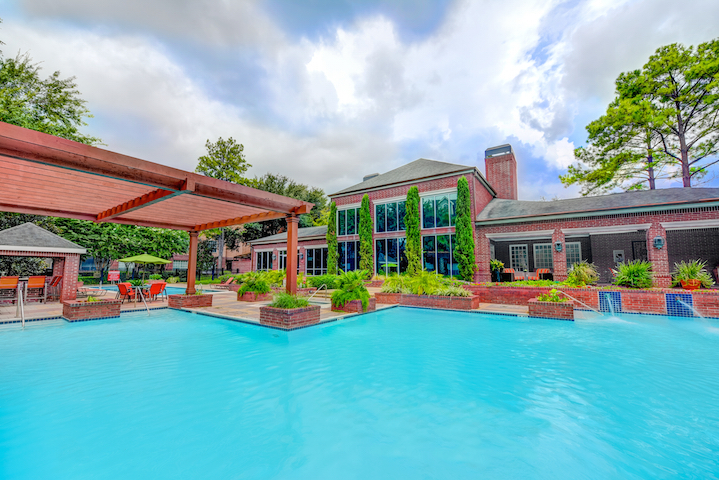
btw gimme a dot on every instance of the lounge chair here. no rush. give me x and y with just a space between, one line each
54 287
226 284
508 275
35 289
125 291
157 289
539 274
8 288
544 274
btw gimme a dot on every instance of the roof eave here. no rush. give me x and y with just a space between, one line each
284 240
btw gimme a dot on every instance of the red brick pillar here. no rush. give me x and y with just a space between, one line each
559 258
276 260
659 256
58 266
301 261
70 270
482 254
291 283
192 264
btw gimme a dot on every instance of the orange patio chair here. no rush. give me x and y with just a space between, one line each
35 289
225 284
125 291
157 289
8 288
54 287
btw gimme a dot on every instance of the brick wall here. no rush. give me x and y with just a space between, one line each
189 301
502 175
77 310
553 310
686 245
429 301
355 306
254 297
290 318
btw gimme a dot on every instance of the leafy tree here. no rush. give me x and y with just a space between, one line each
673 104
205 260
23 265
225 160
332 241
365 236
464 250
50 105
414 241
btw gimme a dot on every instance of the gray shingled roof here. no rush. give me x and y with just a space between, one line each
34 238
302 234
524 210
417 170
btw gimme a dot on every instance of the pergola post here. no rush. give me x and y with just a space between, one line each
192 264
291 280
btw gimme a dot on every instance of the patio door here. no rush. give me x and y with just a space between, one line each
518 257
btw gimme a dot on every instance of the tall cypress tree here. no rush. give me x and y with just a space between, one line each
464 248
414 241
365 234
332 240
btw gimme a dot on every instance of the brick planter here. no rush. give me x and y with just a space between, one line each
374 283
355 306
79 310
553 310
436 301
254 297
289 318
388 298
189 301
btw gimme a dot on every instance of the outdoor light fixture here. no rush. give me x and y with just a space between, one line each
558 246
301 256
658 243
274 256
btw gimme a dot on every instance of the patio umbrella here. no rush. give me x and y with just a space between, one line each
144 259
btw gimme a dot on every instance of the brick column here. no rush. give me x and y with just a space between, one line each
276 259
659 257
192 264
559 258
483 272
292 224
302 260
70 270
58 266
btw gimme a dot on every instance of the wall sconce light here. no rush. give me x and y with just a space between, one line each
558 246
274 256
658 243
301 256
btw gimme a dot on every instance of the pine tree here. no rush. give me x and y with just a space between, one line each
464 248
365 233
332 240
414 241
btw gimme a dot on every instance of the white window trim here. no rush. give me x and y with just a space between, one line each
534 251
337 220
257 250
421 210
390 200
374 207
438 192
574 243
526 249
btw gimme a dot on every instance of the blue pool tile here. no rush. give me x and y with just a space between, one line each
677 309
616 299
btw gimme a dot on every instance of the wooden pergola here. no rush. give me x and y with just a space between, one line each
45 175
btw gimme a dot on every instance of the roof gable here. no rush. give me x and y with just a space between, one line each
302 234
30 237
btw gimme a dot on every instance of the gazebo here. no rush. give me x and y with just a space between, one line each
29 240
46 175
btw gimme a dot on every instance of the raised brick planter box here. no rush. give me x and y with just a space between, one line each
553 310
355 306
290 318
254 297
189 301
79 310
388 298
429 301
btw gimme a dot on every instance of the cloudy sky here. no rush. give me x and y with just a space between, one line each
326 91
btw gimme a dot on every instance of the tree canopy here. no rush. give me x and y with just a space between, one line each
225 160
663 123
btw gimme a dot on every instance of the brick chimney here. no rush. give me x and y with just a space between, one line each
501 168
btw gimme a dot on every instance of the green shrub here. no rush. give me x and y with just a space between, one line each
331 237
138 282
636 274
552 296
319 280
254 285
464 227
89 280
394 284
351 286
581 274
288 301
366 228
91 299
173 279
692 270
452 291
413 250
527 283
425 283
155 276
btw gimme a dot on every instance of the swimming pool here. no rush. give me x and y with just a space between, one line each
401 393
169 289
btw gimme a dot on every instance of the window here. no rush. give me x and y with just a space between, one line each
316 263
439 210
438 254
518 257
390 255
348 221
574 253
389 217
348 257
264 261
492 253
283 260
179 264
543 256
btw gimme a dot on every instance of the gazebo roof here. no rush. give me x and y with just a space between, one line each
47 175
28 237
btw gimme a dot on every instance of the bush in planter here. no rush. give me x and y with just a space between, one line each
552 296
692 270
636 274
288 301
496 266
173 279
425 283
395 284
155 276
319 280
581 274
257 285
351 287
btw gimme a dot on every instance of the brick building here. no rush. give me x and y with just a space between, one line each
664 226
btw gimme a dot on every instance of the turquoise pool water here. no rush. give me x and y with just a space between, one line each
170 290
403 393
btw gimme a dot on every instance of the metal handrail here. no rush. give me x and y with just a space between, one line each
139 290
317 291
578 301
20 310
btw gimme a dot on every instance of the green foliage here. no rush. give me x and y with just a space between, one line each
155 276
91 299
288 301
395 284
89 280
138 282
173 279
365 237
256 285
413 250
319 280
692 270
464 228
527 283
225 160
552 296
581 274
332 240
351 286
50 105
452 291
496 265
636 274
424 283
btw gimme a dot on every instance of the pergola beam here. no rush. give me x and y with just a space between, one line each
257 217
135 204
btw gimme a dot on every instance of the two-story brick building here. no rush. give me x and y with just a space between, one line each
664 226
